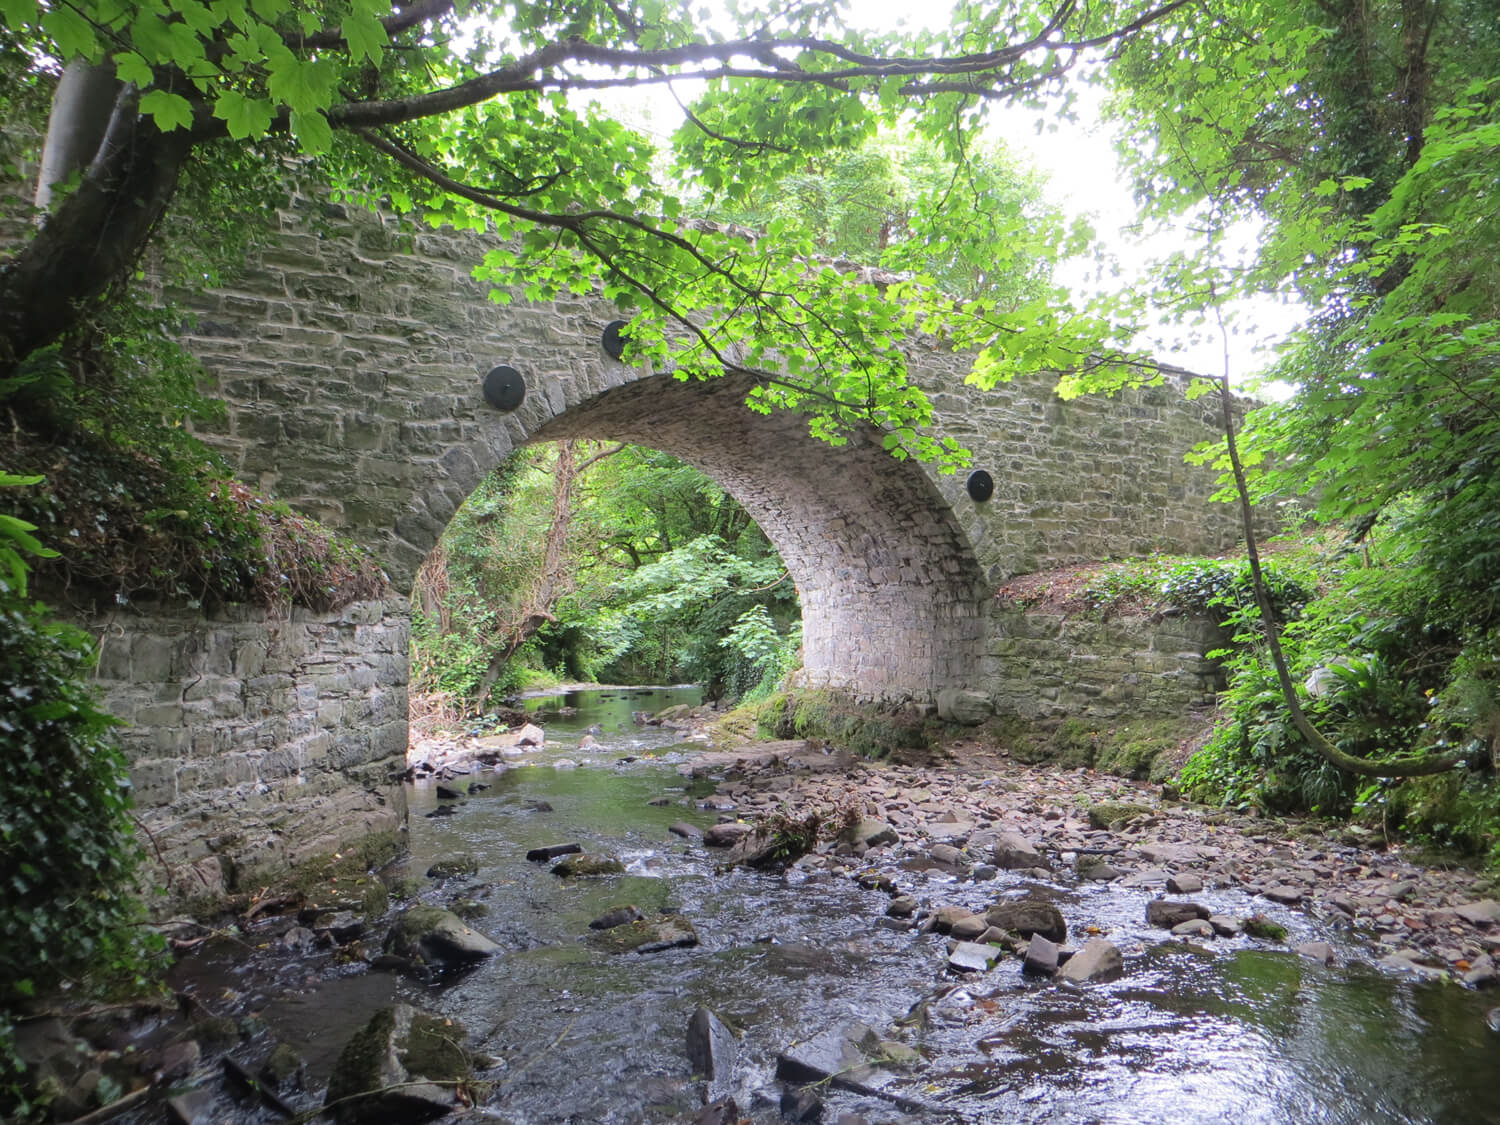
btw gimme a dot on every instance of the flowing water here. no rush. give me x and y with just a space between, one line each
1245 1035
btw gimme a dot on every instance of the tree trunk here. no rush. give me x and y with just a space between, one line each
94 236
1271 630
552 581
82 107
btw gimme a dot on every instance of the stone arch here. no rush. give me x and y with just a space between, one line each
890 590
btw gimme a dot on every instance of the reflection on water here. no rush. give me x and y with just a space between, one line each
1187 1036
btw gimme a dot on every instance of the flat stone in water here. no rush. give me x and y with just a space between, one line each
1287 896
1184 884
1166 914
583 866
1098 958
970 957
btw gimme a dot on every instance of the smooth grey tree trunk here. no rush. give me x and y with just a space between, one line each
81 109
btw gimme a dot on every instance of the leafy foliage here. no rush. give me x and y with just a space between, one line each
68 853
1383 670
667 580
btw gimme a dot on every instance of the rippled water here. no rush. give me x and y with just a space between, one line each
1188 1035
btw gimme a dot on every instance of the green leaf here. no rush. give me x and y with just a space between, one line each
365 36
130 67
245 117
19 13
73 34
171 111
312 131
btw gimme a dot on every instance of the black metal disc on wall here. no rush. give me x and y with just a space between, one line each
614 338
981 486
504 389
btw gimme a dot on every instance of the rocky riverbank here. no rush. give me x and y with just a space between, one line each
938 838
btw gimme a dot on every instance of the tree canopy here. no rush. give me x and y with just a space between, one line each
462 114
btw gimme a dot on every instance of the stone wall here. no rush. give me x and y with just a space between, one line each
256 740
1051 665
349 356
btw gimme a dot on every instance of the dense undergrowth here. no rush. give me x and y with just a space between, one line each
1390 663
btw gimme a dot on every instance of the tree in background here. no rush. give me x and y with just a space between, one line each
464 117
1364 136
617 563
900 204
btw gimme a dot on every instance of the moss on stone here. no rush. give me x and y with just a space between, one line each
663 931
1259 926
435 1050
870 730
454 867
1142 749
576 866
1110 814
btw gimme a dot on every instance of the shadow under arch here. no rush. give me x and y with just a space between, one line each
891 593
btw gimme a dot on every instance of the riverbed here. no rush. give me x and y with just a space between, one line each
1236 1029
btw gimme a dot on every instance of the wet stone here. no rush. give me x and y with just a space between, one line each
1027 918
619 916
1097 960
1166 914
1288 896
1225 926
582 866
552 851
1184 884
1194 927
970 928
1041 957
726 835
971 957
1315 951
685 830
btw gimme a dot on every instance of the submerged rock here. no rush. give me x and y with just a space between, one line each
454 867
552 851
646 935
619 916
580 866
429 935
401 1068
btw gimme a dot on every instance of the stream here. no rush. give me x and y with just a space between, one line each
1241 1034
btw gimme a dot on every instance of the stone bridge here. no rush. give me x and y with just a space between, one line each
351 356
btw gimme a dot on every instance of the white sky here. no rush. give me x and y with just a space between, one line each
1083 180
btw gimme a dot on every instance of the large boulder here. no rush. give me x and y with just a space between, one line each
401 1068
430 935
